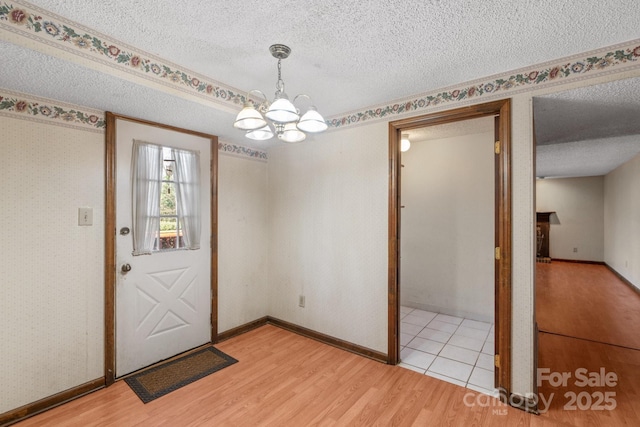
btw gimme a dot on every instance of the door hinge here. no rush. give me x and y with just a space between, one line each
496 361
496 147
497 252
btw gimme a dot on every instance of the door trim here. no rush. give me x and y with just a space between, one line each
110 235
502 109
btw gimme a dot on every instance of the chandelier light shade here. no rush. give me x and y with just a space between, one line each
282 110
280 117
291 133
405 144
312 121
261 134
249 118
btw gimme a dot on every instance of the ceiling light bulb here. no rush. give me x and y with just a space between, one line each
405 144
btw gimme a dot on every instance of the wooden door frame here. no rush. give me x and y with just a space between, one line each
110 235
501 109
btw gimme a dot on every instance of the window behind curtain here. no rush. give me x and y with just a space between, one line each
166 198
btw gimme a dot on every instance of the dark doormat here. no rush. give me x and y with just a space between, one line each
163 379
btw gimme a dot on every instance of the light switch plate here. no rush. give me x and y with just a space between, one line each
85 216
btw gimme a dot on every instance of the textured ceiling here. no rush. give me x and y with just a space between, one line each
351 54
587 131
347 55
591 112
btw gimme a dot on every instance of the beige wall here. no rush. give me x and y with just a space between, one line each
327 239
447 234
328 234
328 230
52 303
579 219
622 220
242 241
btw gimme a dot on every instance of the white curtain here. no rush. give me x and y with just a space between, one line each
187 179
146 171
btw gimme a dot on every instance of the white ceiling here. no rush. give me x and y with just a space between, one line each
588 131
346 54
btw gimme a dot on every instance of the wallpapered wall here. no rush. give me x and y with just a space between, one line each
328 234
621 224
242 241
52 304
447 232
326 231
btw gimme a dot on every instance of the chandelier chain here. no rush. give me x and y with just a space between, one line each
279 83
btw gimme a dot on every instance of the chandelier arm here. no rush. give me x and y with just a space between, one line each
266 101
303 95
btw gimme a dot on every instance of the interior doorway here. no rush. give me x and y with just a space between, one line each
447 252
586 285
500 110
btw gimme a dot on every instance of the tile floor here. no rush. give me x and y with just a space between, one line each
452 349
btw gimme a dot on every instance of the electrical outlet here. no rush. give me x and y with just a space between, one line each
575 249
301 301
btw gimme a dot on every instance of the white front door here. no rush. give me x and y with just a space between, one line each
163 302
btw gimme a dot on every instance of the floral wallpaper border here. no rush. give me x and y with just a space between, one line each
45 27
239 150
51 29
563 69
28 107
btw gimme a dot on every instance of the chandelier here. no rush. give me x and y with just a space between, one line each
282 114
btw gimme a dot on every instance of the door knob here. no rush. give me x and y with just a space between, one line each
126 268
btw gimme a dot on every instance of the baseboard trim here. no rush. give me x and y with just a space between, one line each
42 405
332 341
239 330
623 279
318 336
524 403
578 261
50 402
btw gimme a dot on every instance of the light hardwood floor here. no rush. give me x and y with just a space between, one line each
586 301
588 319
283 379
